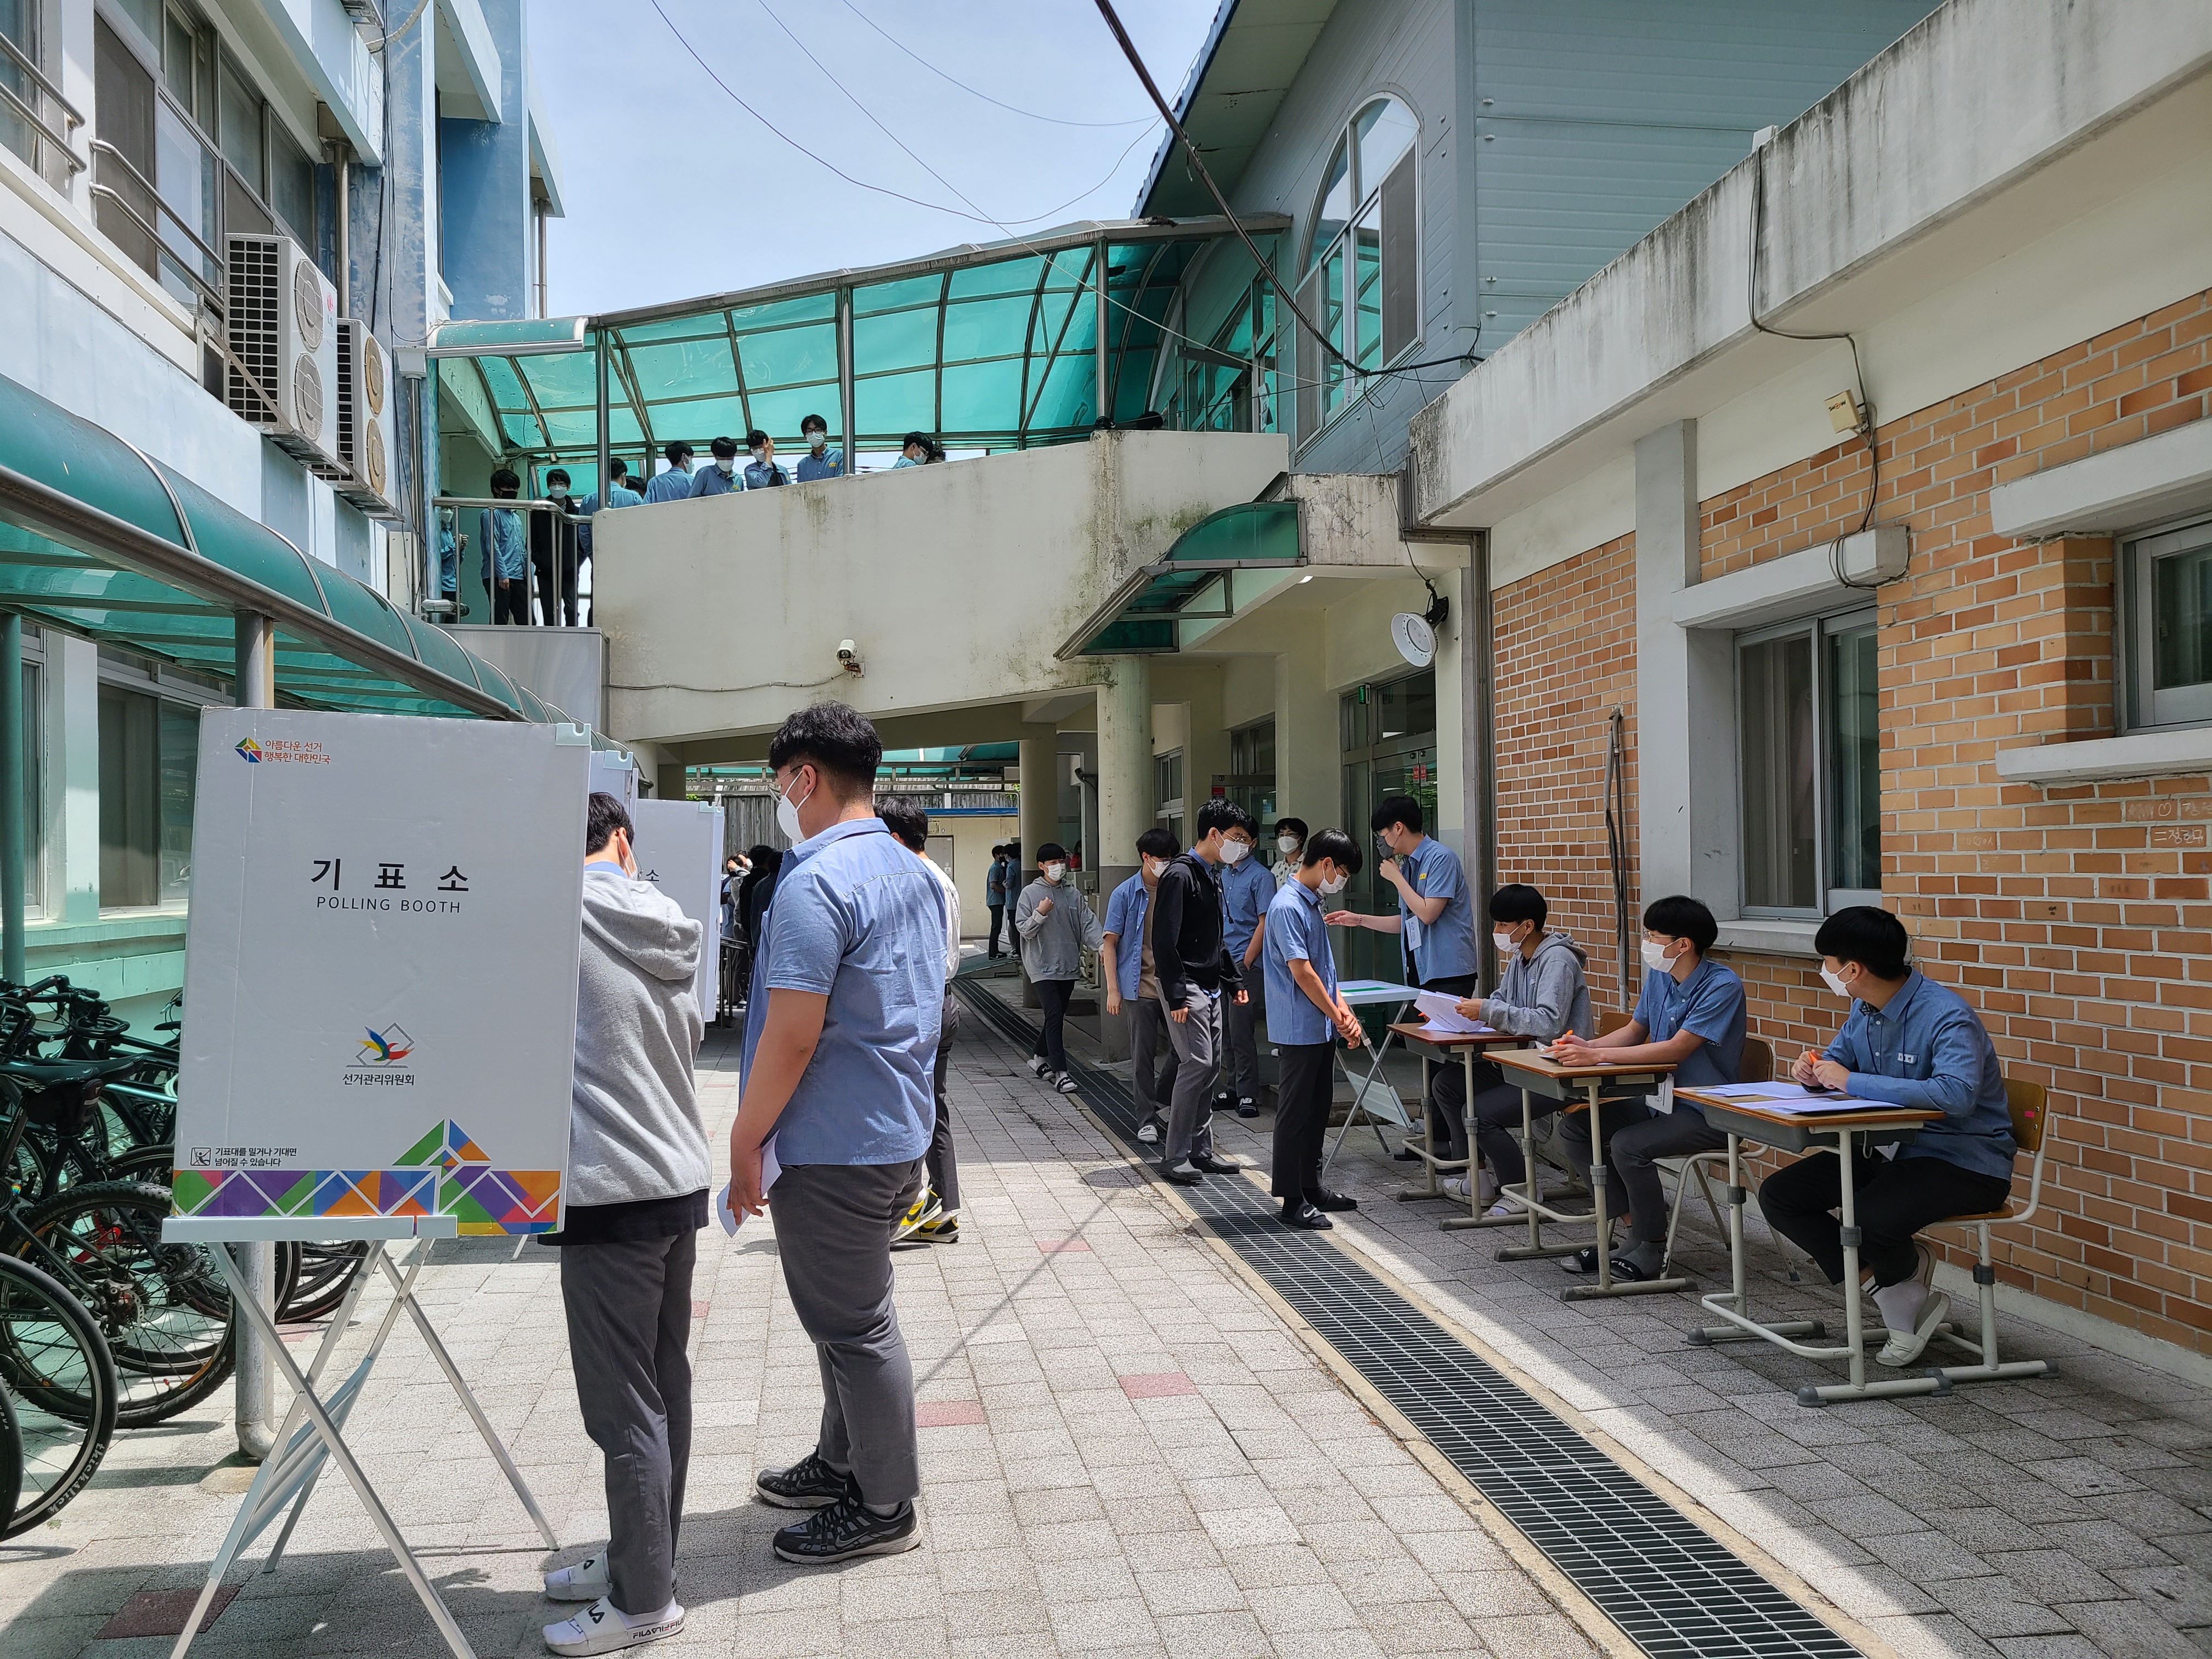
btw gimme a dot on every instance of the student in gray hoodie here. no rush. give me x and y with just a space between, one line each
638 1173
1540 993
1054 927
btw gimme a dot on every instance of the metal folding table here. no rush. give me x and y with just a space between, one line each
1440 1047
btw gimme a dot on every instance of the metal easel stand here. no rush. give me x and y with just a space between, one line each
292 1469
1731 1304
1361 1093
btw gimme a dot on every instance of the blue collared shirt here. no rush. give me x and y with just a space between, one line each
669 486
761 475
1446 945
1125 919
618 495
1928 1048
857 918
449 560
829 463
1295 934
1247 890
1710 1004
710 480
501 548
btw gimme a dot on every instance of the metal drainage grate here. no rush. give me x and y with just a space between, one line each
1663 1580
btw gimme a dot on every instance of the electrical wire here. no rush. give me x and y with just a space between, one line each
1057 120
1858 375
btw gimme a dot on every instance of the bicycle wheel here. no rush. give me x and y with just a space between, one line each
164 1309
326 1271
11 1461
51 1353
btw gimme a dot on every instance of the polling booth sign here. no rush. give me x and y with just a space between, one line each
380 976
679 849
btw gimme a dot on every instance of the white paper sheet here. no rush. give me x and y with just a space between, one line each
725 1211
1440 1010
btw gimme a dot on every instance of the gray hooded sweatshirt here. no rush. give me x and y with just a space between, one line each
1543 996
1053 945
635 1132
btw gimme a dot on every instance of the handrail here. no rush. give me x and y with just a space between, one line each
23 59
515 502
107 194
57 140
101 147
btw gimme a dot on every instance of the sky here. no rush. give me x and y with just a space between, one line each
673 190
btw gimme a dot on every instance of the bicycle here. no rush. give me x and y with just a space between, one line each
60 1383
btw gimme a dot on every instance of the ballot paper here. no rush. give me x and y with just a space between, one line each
1818 1105
1440 1010
1764 1093
725 1211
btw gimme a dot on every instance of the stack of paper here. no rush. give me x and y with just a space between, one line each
1440 1011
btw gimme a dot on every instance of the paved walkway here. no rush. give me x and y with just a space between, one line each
1124 1452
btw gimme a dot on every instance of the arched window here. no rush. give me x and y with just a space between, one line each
1362 269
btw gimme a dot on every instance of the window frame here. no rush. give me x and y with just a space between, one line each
1315 384
2137 690
123 672
1819 630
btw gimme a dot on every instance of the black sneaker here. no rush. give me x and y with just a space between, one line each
1210 1163
846 1528
1248 1107
1328 1198
806 1485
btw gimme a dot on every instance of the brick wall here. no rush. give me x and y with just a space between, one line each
2077 920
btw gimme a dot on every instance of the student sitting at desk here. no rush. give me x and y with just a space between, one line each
1540 995
1907 1041
1689 1018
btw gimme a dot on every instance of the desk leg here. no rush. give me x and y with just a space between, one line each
1474 1217
1530 1185
1428 1189
1855 1329
1739 1297
1605 1286
1474 1170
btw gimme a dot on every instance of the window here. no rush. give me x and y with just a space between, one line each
34 817
19 24
1811 768
1251 781
149 752
1167 782
2169 601
1388 734
1361 268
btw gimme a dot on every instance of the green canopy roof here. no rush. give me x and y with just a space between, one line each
988 346
1197 583
101 540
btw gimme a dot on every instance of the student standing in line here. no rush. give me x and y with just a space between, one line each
1909 1041
1541 994
674 485
1247 888
504 551
1290 848
762 472
638 1173
1690 1018
1304 1016
1196 970
1055 927
1435 916
841 1030
996 891
820 461
553 552
1132 978
934 1217
723 477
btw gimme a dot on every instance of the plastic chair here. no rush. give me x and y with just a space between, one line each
2029 1114
1756 1065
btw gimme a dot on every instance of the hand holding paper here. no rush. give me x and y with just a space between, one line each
751 1174
1441 1012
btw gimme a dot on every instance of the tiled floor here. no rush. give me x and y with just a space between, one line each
1126 1451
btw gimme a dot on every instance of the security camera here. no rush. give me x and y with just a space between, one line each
846 653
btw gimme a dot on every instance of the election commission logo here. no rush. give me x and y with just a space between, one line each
381 1056
250 752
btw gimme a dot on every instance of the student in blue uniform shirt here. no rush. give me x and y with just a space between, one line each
1133 981
674 485
1909 1041
1305 1016
1435 916
723 477
504 552
1689 1017
764 472
820 461
1247 888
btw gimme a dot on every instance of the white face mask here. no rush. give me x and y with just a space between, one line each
1655 956
1335 884
1834 982
1153 867
1504 943
723 467
1233 851
1054 872
760 454
1286 845
786 817
818 441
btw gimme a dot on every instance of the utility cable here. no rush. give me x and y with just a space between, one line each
413 17
1057 120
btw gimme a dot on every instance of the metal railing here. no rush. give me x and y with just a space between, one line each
104 153
539 607
60 139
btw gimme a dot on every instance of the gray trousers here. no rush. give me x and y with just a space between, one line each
833 1230
1197 1042
944 1166
629 1312
1152 1083
1244 1027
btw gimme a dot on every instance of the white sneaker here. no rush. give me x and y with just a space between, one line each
1905 1346
1502 1210
1486 1185
1455 1187
1065 1082
602 1628
584 1582
1036 1064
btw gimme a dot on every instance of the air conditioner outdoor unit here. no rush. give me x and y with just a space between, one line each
283 330
363 406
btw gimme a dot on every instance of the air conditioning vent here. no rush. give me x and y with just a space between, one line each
281 330
363 407
372 373
372 456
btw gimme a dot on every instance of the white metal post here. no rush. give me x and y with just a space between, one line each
256 688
